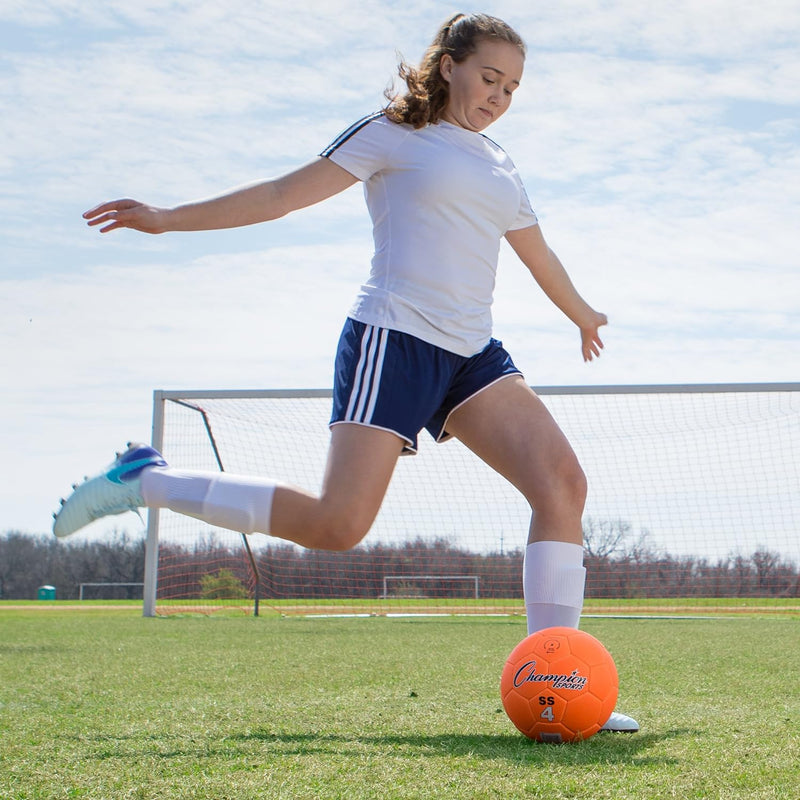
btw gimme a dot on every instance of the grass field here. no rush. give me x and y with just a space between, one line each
101 703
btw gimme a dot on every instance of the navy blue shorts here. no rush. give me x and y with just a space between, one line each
396 382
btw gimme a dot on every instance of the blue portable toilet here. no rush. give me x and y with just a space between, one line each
46 593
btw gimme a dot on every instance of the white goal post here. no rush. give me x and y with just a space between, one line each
693 492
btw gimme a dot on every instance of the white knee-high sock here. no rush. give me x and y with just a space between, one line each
553 579
238 502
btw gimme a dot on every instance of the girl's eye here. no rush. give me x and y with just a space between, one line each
489 81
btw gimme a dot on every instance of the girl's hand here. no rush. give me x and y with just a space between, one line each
127 214
591 343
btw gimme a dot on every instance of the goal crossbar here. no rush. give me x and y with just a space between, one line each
160 395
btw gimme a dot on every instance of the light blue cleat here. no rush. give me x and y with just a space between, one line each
114 491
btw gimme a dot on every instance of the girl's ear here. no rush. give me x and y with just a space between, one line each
446 67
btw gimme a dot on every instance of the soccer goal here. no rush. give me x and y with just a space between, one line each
693 493
429 585
110 590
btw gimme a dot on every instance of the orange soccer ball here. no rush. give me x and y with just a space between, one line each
559 685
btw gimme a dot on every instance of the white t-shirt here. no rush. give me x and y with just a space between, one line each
440 198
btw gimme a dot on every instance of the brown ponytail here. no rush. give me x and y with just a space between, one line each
427 92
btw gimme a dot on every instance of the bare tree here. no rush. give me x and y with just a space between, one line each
605 538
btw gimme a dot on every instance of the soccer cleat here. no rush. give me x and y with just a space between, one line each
620 723
114 491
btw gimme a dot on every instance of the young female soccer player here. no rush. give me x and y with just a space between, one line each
416 350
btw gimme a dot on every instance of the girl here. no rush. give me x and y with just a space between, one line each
416 350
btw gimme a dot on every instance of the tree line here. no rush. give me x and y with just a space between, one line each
28 562
617 567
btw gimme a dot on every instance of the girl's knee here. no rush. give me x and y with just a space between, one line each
564 485
576 484
340 531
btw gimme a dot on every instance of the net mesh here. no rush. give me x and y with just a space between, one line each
692 494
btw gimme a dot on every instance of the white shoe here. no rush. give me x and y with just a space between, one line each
620 723
113 491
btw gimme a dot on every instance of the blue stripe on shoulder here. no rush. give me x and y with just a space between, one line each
351 131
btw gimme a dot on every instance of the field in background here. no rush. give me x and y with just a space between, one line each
648 607
106 704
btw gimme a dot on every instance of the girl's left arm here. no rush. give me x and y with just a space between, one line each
529 244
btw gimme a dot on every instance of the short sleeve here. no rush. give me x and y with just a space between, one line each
526 216
366 146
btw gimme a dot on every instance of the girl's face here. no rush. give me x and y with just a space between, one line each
481 85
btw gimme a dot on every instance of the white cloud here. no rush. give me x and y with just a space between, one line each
661 147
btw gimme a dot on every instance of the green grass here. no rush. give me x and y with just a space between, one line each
102 703
653 606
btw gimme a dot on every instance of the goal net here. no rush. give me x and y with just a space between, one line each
693 493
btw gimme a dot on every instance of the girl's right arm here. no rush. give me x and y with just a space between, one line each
246 205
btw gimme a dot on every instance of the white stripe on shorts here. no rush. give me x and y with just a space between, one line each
367 380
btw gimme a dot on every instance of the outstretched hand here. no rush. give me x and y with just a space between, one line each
591 343
126 213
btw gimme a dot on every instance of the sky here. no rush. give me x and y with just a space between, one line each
659 143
